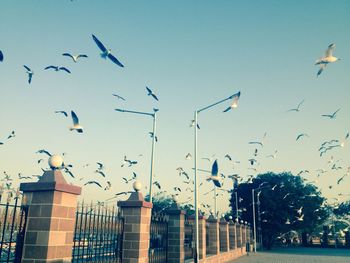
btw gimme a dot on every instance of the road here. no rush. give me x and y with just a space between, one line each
298 255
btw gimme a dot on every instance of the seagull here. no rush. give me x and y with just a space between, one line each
234 103
342 144
188 156
214 174
100 166
45 152
259 143
69 172
100 172
331 116
74 57
328 58
76 126
228 157
12 135
93 182
62 112
57 68
118 97
301 135
273 156
150 93
151 135
106 52
297 109
156 183
252 161
29 72
193 122
1 56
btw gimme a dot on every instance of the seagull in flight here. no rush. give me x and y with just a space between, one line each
93 182
76 126
74 57
29 72
193 122
273 156
57 68
214 174
331 116
297 109
342 144
260 143
188 156
150 93
301 135
234 104
328 58
118 97
1 56
106 52
45 152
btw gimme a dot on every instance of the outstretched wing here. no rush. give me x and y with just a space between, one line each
49 67
154 96
68 55
227 109
330 50
64 69
215 168
1 56
115 60
75 118
322 67
26 67
149 91
82 56
99 44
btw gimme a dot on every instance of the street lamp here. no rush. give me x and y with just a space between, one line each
154 116
236 95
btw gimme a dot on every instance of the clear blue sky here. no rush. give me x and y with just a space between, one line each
191 53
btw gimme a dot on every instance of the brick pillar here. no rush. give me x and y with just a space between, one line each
248 234
51 218
214 243
202 237
239 235
176 235
244 236
232 235
137 219
224 237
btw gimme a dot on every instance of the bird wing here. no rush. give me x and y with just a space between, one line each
99 44
26 67
301 103
115 60
336 112
215 168
30 78
1 56
154 96
93 182
227 109
49 67
322 67
330 50
82 56
75 118
64 69
217 183
67 55
44 151
149 91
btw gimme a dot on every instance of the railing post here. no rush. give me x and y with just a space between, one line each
239 235
214 243
202 236
51 218
224 236
244 237
137 219
176 234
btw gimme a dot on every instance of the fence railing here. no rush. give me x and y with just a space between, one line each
158 248
189 242
12 226
98 234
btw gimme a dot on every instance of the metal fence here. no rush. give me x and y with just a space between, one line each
158 249
98 234
189 243
13 218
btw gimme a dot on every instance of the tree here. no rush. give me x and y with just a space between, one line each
286 203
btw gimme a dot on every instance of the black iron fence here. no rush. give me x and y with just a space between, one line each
98 234
158 249
13 218
189 242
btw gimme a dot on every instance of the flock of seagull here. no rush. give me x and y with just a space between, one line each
216 177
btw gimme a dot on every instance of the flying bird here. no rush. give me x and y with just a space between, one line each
106 52
228 157
100 166
273 156
188 156
57 68
301 135
12 135
118 97
328 58
76 126
214 174
234 104
62 112
331 116
261 143
45 152
29 72
93 182
342 144
193 122
150 93
100 172
297 109
74 57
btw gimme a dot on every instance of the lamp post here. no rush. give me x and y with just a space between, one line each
154 116
196 112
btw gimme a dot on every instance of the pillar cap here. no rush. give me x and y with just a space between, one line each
51 180
212 219
223 221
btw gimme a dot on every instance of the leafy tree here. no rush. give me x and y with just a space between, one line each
286 203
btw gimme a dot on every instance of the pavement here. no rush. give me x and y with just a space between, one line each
297 255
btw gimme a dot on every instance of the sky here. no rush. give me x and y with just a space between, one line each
191 54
